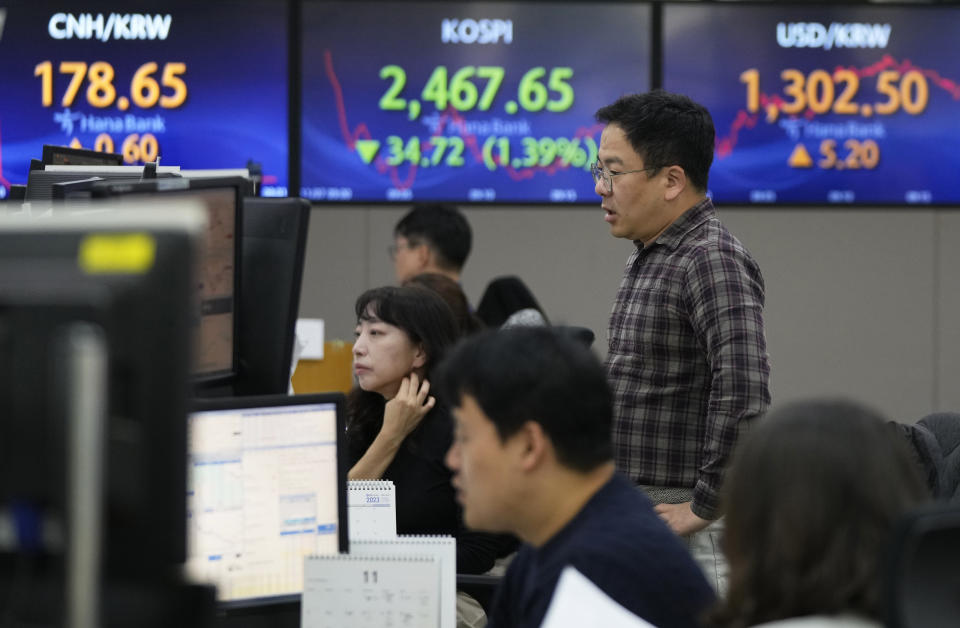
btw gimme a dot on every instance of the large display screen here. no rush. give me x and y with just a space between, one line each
823 104
481 102
201 85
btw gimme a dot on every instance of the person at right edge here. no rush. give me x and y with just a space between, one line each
687 358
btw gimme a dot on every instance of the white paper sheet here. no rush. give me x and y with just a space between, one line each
579 603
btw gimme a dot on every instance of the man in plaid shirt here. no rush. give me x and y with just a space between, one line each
687 356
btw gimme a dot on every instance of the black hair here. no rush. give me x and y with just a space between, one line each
666 129
504 296
811 501
427 320
535 374
443 228
451 292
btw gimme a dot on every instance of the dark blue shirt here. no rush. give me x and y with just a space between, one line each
622 546
426 503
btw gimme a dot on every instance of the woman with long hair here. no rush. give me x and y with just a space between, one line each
396 429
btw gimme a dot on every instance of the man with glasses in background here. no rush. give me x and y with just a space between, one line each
687 356
430 238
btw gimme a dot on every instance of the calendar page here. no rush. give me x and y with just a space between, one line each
343 591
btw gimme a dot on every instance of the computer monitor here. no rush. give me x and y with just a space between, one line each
208 173
75 189
267 487
65 155
106 293
40 182
218 277
273 248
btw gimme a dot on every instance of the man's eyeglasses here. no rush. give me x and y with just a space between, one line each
602 174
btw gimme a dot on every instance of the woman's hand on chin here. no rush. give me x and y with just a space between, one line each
404 412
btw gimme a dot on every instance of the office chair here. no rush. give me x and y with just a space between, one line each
945 454
924 569
504 296
583 335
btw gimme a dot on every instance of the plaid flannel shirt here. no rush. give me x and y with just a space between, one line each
687 357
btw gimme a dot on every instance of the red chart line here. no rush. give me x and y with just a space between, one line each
450 115
744 119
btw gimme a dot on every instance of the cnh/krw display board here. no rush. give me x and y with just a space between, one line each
197 84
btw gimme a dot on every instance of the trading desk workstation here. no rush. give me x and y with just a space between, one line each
124 304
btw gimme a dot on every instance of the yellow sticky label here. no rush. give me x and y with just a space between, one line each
117 253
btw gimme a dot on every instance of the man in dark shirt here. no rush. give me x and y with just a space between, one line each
687 358
431 238
532 456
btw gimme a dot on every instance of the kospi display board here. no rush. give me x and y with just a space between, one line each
198 84
823 103
464 102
